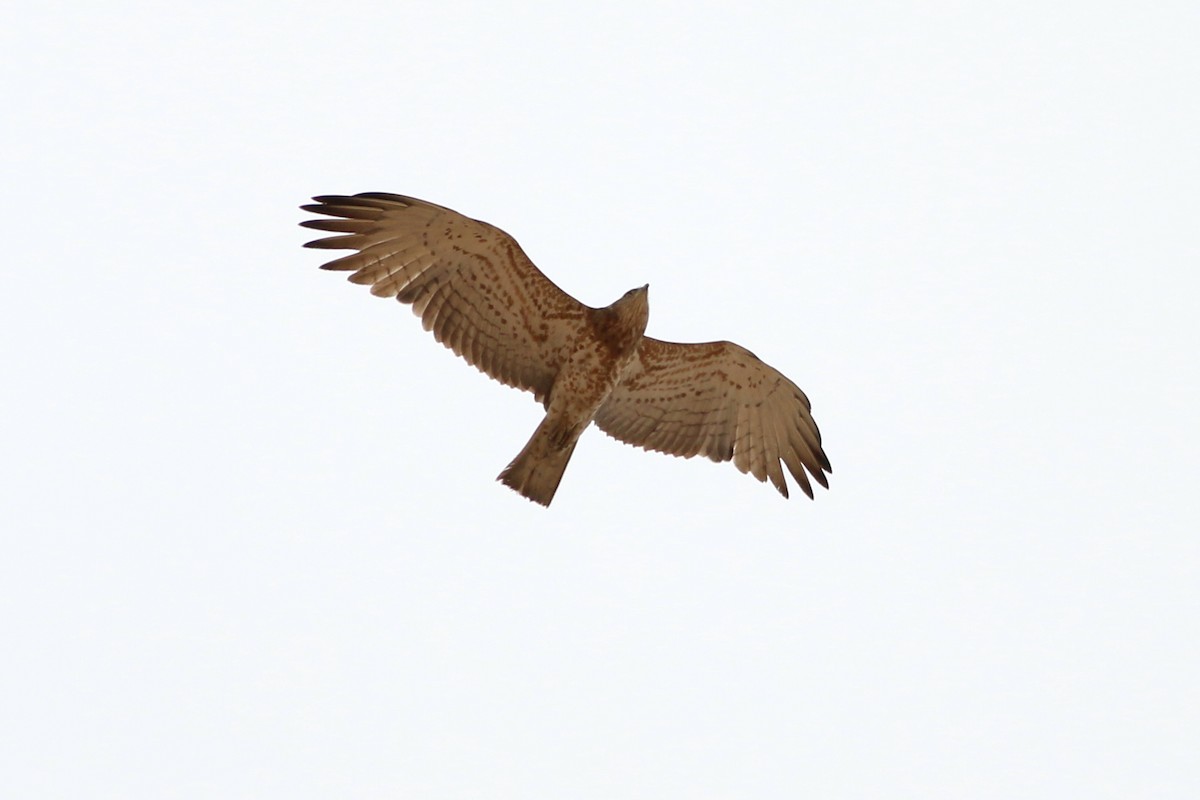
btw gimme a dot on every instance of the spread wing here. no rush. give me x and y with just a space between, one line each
721 401
468 281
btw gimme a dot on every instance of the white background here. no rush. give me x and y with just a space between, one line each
253 546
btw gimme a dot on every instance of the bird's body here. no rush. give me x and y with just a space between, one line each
592 367
481 296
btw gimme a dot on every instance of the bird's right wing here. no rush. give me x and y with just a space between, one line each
718 400
468 281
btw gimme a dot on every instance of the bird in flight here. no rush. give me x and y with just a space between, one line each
481 296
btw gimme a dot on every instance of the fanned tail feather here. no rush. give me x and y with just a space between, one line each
538 468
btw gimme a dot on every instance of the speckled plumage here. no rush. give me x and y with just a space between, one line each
482 297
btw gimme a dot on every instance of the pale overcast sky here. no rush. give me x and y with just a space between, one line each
253 542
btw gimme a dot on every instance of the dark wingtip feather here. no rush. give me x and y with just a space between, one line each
821 479
371 199
350 242
336 200
388 197
316 224
339 225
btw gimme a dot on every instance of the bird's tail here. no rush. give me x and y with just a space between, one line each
538 468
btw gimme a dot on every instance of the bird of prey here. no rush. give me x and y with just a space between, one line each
481 296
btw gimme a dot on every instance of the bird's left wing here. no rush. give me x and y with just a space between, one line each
468 281
718 400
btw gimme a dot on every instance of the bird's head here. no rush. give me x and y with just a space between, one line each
624 321
635 305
